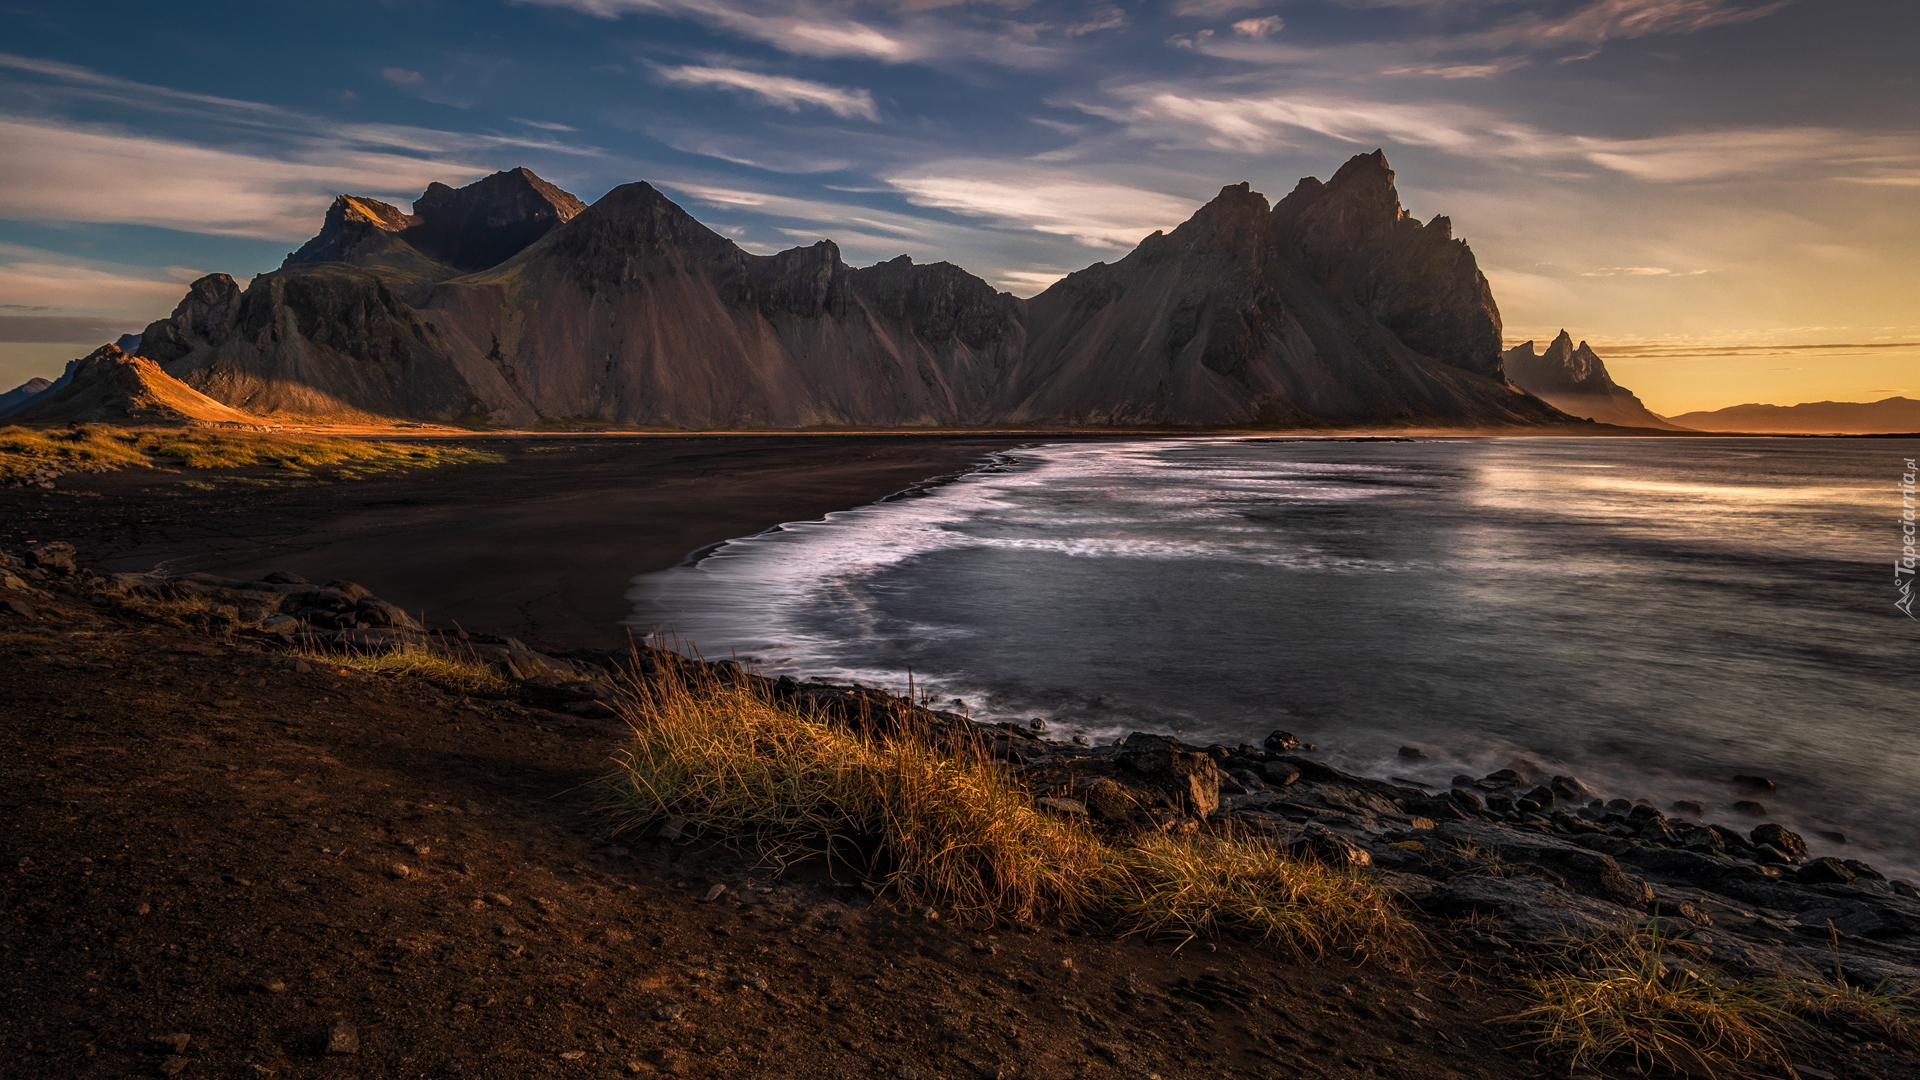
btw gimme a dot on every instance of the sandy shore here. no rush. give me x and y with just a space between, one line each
541 547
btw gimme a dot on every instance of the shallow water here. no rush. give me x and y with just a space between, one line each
1651 615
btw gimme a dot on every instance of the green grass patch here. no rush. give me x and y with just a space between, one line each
27 453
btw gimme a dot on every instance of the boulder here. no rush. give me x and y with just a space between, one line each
1529 907
1190 781
1780 838
54 558
372 611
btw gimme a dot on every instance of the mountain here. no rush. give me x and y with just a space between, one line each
1575 381
110 387
18 397
507 302
1894 414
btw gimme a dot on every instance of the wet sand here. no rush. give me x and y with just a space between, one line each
541 547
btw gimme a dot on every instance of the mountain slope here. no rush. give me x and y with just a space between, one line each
1894 414
18 397
1332 307
110 387
1574 380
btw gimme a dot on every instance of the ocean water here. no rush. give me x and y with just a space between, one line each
1652 616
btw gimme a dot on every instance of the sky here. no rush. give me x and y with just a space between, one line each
1723 196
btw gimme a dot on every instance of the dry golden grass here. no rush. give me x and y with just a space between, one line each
1878 1011
102 448
1614 1003
457 673
948 828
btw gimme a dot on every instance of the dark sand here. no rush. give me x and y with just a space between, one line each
542 547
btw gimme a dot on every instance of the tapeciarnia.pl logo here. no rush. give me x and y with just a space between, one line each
1903 567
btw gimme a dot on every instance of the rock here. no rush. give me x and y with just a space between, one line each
173 1065
669 1011
672 829
176 1042
15 607
1190 781
1280 742
1588 871
1320 844
713 893
1280 773
1758 785
371 611
1776 836
1688 807
572 1055
1502 779
1037 726
54 558
1749 808
1412 753
1530 907
1824 872
1082 740
342 1038
1570 790
1109 801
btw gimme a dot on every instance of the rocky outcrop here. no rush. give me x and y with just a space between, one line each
110 387
1889 415
506 302
1575 380
18 397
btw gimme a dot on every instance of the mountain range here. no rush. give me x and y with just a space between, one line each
1894 414
510 302
1574 380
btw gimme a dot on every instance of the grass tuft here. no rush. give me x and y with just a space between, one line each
941 824
457 673
26 453
1615 1001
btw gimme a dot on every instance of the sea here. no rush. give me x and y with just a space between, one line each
1652 616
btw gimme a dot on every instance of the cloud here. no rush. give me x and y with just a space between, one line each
1606 20
36 280
805 30
1109 18
788 93
401 76
54 173
1094 212
63 329
1461 71
1259 29
544 125
1642 271
1175 116
1208 9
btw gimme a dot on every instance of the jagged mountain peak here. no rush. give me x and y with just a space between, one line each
490 220
109 386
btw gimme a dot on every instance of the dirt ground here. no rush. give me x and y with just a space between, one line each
218 864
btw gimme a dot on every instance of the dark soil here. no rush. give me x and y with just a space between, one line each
206 842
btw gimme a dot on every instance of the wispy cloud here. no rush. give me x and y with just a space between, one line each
53 285
787 93
1095 212
1607 20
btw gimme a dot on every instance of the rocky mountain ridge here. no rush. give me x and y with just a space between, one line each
110 387
18 397
507 302
1574 380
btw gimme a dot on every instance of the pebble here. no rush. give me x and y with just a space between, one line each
573 1055
399 870
176 1042
669 1011
713 893
498 899
343 1038
673 828
173 1065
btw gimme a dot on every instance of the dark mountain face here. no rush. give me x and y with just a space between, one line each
505 301
19 396
1575 381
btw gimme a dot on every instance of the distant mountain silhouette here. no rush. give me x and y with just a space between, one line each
1894 414
17 398
1575 381
508 302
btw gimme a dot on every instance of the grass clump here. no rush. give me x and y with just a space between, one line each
937 822
26 453
462 674
1615 1001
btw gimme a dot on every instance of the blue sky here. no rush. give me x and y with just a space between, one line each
1703 188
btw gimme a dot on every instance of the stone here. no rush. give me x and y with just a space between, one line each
669 1011
1279 772
572 1055
1824 872
343 1038
1749 808
399 870
173 1065
54 558
1412 753
1190 781
1280 742
372 611
1322 845
1758 785
176 1042
1530 907
1688 807
1109 801
672 828
713 893
1781 838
